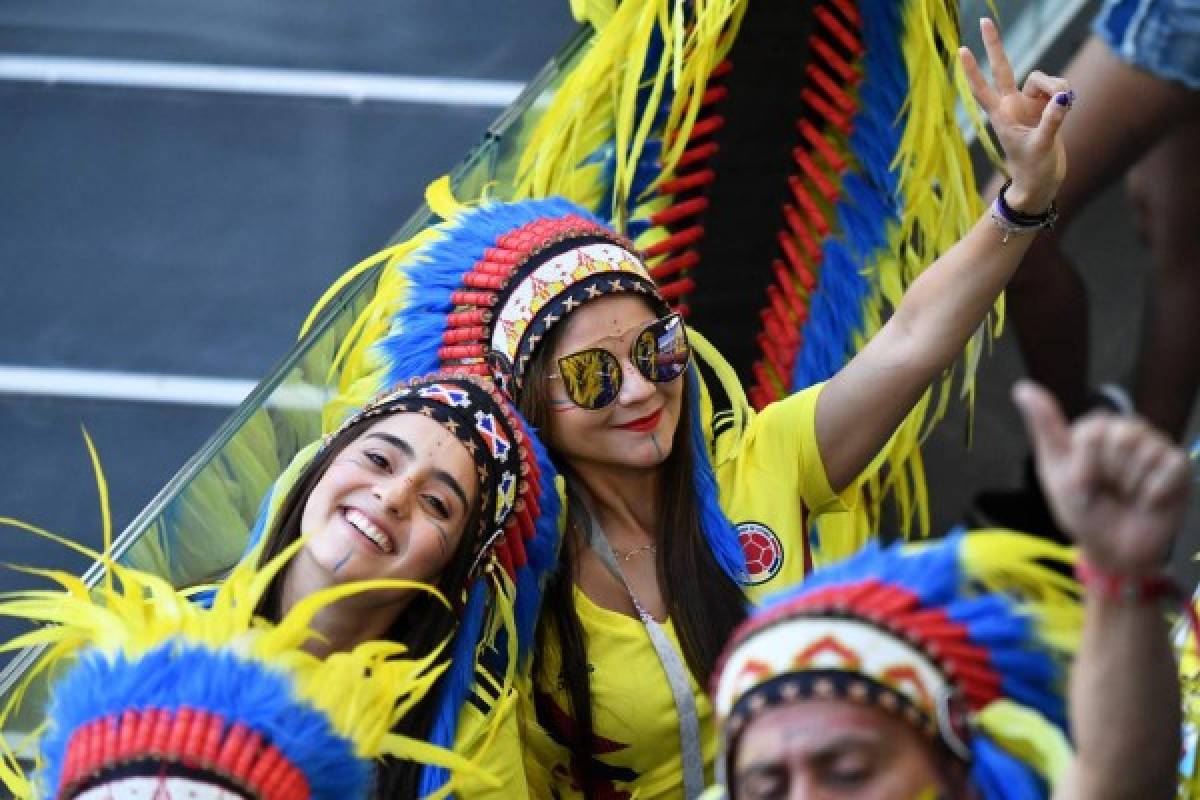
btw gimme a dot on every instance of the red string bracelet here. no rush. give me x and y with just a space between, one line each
1139 589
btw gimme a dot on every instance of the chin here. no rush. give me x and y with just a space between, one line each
645 455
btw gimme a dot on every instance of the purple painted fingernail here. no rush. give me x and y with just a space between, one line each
1063 99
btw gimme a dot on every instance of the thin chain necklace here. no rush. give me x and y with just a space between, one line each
637 551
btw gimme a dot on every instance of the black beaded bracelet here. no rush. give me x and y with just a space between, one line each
1020 219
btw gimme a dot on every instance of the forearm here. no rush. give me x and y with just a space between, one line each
943 307
1124 701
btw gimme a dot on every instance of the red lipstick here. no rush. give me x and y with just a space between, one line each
643 424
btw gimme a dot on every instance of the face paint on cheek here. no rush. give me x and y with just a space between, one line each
338 566
443 539
657 446
559 406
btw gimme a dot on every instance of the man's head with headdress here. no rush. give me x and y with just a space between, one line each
922 671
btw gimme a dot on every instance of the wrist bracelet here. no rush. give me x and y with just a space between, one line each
1011 221
1137 589
1133 589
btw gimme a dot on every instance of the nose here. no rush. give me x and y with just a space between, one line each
634 386
395 492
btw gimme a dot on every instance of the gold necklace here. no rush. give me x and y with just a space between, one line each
646 548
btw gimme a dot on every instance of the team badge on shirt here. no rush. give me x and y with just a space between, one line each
763 550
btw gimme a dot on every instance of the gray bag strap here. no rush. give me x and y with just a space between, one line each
668 656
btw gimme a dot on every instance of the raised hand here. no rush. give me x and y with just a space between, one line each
1115 484
1026 122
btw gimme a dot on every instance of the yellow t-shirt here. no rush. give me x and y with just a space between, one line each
497 751
771 482
633 714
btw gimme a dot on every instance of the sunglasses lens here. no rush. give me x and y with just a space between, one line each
661 351
592 378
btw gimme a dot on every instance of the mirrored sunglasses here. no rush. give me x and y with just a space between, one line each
592 378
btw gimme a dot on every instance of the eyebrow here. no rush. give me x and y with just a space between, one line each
617 337
441 474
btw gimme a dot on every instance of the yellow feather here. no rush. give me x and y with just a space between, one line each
1029 736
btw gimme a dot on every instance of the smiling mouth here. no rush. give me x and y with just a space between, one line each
643 424
370 531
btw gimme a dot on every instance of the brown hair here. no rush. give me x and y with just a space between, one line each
704 603
421 625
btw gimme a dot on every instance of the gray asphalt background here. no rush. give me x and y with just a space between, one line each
188 233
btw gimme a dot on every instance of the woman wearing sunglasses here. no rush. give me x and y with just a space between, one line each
437 482
653 576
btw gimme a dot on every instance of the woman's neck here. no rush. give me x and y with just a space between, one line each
342 625
621 498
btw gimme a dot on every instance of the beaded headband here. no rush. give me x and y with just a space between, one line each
815 657
530 279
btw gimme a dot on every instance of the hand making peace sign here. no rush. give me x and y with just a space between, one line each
1026 122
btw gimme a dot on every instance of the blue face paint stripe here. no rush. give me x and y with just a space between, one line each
338 566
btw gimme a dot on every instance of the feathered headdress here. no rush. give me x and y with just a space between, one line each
516 546
481 292
966 639
159 688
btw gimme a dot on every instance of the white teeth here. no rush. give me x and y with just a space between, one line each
368 529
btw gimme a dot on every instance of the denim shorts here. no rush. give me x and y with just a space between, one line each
1160 36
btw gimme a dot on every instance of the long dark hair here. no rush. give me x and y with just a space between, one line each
705 604
422 625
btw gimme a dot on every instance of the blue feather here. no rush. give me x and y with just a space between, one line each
998 775
541 552
718 530
456 683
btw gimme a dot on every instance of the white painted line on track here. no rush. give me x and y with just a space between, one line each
147 388
352 86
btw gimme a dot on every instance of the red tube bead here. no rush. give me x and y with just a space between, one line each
466 297
831 57
839 31
677 288
701 152
458 335
822 146
691 180
676 241
678 211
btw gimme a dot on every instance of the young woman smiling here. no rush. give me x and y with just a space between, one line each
435 482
